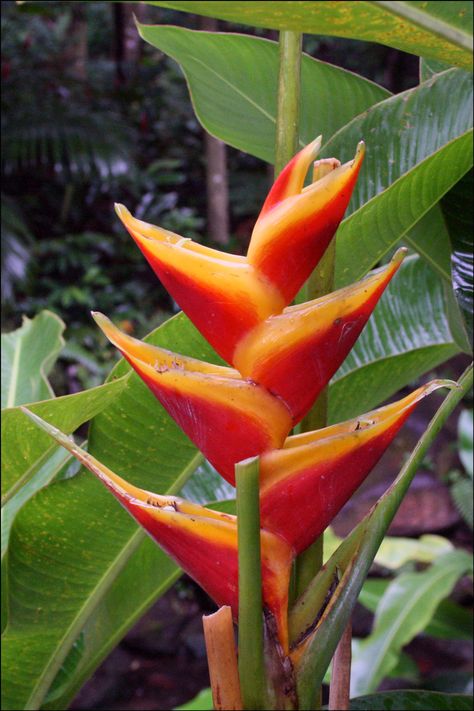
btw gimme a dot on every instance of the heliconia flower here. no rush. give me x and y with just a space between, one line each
294 354
229 419
227 295
223 295
202 541
305 484
296 224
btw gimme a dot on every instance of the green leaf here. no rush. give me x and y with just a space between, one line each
27 448
428 67
422 28
201 702
238 104
466 440
412 700
404 338
71 543
458 212
395 551
28 354
430 238
418 147
462 491
449 621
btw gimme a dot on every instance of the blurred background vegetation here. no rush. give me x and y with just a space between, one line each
91 115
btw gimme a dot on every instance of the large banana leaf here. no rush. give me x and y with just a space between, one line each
28 354
71 541
438 30
407 335
419 144
238 104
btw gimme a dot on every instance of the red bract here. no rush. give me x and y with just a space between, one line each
297 224
283 356
226 296
304 485
228 418
295 354
202 541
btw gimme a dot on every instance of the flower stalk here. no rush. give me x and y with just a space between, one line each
289 79
251 655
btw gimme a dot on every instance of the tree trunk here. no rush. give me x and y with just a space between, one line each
216 174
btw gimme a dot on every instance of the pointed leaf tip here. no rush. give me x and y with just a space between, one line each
51 430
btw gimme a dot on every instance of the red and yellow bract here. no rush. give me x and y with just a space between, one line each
283 356
227 295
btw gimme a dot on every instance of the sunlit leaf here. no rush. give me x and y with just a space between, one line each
431 29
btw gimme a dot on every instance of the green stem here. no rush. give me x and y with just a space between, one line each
251 660
288 110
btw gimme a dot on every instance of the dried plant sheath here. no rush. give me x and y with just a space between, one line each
222 660
339 688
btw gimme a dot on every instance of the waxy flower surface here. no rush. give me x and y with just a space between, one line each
282 356
225 295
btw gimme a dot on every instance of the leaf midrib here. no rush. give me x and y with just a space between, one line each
14 376
428 23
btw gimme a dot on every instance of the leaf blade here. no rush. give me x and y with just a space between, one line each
416 153
28 354
239 106
363 20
